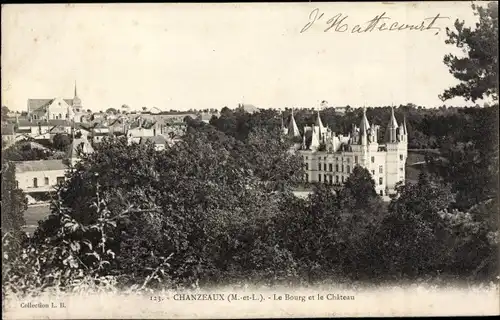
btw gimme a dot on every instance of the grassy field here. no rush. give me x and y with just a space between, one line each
34 214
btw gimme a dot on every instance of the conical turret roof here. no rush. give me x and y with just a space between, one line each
364 125
293 129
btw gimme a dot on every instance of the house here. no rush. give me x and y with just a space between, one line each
45 175
40 175
342 110
173 129
118 126
159 141
141 128
42 129
168 117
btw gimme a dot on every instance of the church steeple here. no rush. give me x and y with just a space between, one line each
77 103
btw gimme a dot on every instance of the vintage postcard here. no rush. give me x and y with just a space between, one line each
249 160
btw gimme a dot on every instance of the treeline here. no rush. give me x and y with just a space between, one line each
218 209
427 128
466 139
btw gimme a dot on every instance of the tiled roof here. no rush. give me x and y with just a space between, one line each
76 143
49 123
101 134
39 165
23 131
117 122
58 129
34 104
155 140
100 125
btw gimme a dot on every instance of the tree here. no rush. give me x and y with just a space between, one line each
409 239
22 151
5 112
61 141
14 202
207 210
478 70
359 187
111 110
270 159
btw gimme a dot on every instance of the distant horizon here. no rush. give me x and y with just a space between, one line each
197 56
288 108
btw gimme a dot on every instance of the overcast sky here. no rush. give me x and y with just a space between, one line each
181 56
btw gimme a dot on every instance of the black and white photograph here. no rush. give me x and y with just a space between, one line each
250 160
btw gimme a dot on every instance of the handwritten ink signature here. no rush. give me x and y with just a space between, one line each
379 23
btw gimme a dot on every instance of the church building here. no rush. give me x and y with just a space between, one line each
55 109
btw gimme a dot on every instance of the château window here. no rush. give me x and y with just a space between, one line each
336 168
306 157
60 180
336 179
356 159
348 160
307 166
319 177
330 178
380 169
35 183
342 168
348 169
306 177
373 159
324 158
401 169
381 192
342 178
46 181
380 181
373 172
319 166
324 167
330 167
326 179
401 157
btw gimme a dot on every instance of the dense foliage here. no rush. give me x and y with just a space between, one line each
25 151
477 69
218 208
